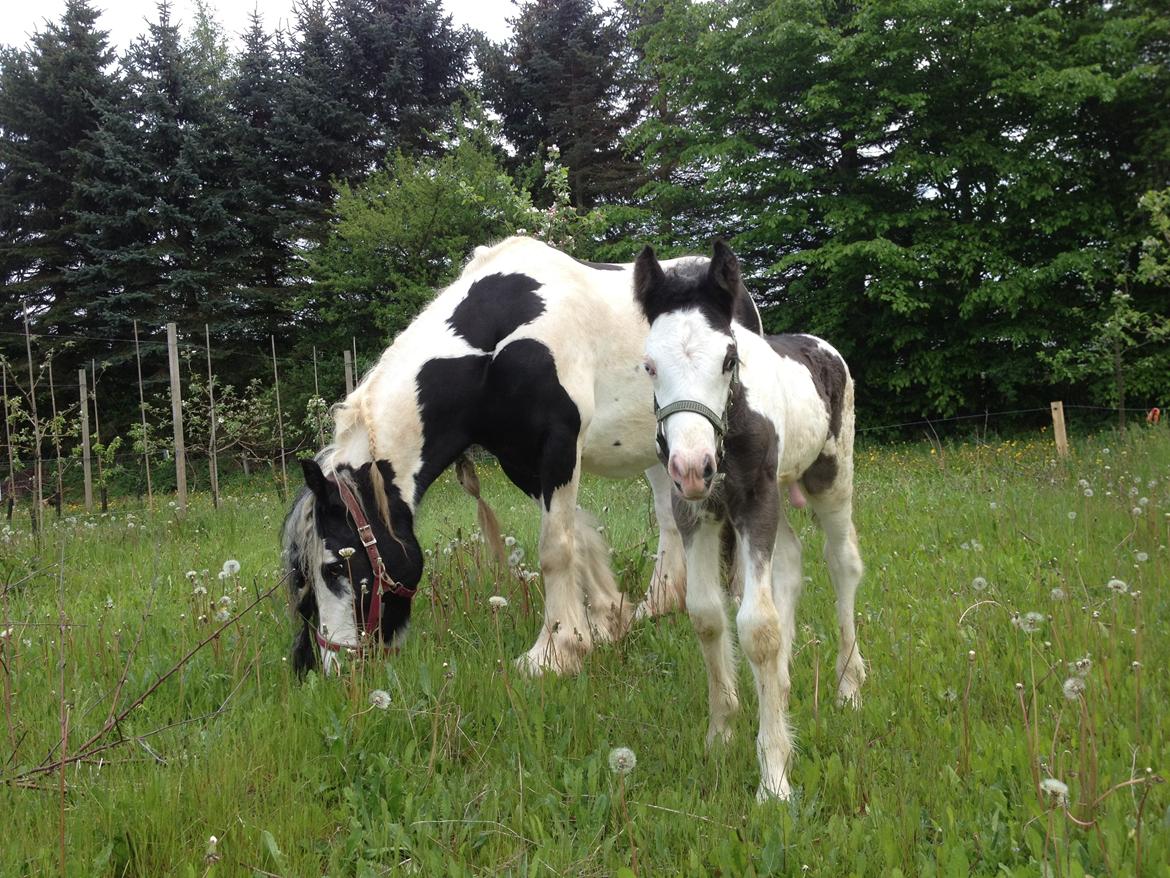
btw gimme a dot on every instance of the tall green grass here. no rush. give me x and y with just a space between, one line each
472 769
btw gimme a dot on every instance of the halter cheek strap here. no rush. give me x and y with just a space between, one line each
384 582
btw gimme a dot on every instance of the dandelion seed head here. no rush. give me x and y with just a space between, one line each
622 760
498 602
1057 594
380 699
1088 492
1072 516
979 583
1117 586
231 566
1057 789
509 541
1073 688
1142 557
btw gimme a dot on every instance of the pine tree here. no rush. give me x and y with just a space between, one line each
48 94
558 80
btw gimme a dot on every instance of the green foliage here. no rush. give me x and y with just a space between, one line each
408 230
474 768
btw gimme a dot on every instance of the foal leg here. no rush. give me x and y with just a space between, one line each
565 637
759 637
786 588
668 583
708 612
834 511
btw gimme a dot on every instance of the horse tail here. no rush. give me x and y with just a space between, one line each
489 525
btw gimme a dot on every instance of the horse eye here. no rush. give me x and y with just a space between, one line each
729 363
648 365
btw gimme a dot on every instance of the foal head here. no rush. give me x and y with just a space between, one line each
692 359
332 578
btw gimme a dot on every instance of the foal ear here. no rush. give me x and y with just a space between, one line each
648 278
315 479
724 272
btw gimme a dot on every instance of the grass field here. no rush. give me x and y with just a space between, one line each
976 716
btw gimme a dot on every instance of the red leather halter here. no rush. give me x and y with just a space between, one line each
384 584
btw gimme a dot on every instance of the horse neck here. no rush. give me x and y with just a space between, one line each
381 419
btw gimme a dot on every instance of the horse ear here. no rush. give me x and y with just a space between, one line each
648 278
724 272
315 479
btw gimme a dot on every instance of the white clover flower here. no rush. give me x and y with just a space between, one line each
1055 788
1116 585
346 552
498 602
622 760
380 699
1073 688
231 567
979 583
1057 594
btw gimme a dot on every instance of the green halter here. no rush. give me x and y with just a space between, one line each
719 422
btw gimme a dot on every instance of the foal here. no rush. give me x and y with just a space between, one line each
741 419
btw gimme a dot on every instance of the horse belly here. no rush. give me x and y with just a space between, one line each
620 440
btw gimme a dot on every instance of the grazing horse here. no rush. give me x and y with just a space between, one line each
534 356
742 418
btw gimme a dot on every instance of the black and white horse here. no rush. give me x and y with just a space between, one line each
742 419
536 357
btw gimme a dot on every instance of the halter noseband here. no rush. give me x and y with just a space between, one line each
384 583
719 422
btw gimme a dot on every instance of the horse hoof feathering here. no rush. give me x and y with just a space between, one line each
739 415
499 359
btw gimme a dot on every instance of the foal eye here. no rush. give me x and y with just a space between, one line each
730 362
648 365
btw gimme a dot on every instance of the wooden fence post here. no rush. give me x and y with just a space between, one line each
60 500
1058 431
348 372
211 398
11 497
279 418
86 463
38 511
142 411
177 416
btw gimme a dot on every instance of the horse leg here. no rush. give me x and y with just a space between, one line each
760 638
786 588
834 511
708 612
668 583
565 636
609 611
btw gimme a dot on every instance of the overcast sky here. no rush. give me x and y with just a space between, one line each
125 19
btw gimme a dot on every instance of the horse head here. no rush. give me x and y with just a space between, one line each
352 559
692 360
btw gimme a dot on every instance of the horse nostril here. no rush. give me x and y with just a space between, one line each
708 468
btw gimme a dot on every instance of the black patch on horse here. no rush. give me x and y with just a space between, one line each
827 370
494 307
715 288
512 404
820 475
